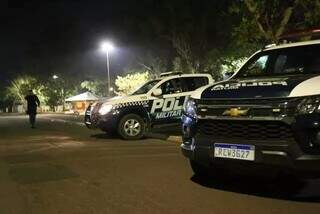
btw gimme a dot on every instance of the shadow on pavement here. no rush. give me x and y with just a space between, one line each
283 187
38 173
153 135
105 136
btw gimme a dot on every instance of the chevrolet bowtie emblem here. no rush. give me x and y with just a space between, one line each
235 112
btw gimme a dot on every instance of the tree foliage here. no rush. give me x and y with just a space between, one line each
269 20
51 92
189 30
56 91
97 87
155 65
130 82
19 87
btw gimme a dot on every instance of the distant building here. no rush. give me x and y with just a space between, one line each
80 102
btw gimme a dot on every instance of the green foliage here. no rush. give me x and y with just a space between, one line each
232 64
57 90
266 21
97 87
51 92
129 83
19 87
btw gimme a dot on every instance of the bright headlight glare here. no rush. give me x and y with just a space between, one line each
190 108
105 109
309 105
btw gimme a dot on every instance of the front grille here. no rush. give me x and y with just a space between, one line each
246 130
252 112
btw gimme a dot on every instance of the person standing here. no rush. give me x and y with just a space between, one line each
33 103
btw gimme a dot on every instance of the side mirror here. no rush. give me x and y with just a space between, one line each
157 92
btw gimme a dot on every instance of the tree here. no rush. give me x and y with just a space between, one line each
155 65
188 30
57 90
130 82
3 100
19 87
269 20
97 87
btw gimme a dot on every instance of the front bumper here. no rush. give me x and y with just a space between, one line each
279 155
107 123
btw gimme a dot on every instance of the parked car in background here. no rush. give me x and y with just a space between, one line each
157 104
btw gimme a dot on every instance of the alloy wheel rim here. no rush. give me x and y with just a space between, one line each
132 127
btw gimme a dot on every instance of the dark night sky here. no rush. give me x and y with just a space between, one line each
63 36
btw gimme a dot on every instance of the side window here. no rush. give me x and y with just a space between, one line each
293 60
171 86
280 63
192 83
289 63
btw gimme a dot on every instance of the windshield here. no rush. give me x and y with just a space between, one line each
286 61
146 87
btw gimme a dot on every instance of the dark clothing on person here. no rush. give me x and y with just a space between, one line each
33 103
32 119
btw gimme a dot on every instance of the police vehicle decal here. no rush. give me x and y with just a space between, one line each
258 88
170 107
134 103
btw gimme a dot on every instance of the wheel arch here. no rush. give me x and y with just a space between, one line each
138 110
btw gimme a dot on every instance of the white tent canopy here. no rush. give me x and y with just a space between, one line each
87 96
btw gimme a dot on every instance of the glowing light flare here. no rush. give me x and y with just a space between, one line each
107 47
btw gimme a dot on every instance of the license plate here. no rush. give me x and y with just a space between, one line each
234 151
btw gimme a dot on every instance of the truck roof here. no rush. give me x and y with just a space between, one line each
294 44
185 75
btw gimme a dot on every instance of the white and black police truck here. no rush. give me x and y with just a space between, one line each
157 104
265 116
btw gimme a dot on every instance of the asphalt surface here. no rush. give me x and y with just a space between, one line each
62 167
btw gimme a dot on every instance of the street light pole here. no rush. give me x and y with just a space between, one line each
108 71
106 47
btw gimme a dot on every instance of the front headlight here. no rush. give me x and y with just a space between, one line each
309 105
190 108
105 109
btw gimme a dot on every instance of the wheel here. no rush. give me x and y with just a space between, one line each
199 169
131 127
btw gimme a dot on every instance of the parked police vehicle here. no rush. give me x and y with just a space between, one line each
266 115
157 104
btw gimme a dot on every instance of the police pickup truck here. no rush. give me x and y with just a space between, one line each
266 115
157 104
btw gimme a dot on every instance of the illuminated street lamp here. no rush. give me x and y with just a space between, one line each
106 47
55 77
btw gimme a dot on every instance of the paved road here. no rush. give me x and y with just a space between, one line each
65 168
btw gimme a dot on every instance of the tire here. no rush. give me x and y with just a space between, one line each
131 127
199 169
